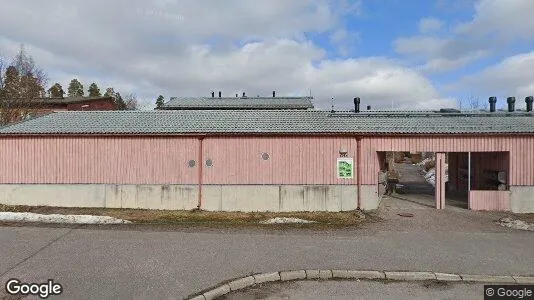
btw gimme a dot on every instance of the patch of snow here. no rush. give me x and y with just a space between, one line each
57 218
516 224
283 220
430 173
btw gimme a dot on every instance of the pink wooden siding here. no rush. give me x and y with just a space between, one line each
126 160
521 152
293 160
440 181
489 200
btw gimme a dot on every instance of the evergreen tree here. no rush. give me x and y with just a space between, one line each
160 101
30 87
119 102
75 88
56 91
12 88
94 91
110 92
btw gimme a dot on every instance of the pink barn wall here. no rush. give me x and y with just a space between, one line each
120 160
521 152
489 200
293 160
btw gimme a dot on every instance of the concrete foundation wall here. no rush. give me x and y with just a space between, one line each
522 199
246 198
175 197
370 198
283 198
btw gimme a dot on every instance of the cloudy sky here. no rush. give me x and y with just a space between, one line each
391 53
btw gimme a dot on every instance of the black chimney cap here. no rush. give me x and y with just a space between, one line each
212 94
492 101
529 101
274 94
244 95
220 94
368 107
357 104
511 104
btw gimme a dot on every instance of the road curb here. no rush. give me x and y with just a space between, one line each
335 274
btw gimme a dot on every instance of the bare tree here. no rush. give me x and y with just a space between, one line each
474 102
459 103
2 70
131 102
471 102
21 85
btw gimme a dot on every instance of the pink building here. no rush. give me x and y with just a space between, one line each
261 160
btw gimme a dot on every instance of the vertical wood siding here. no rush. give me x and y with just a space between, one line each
489 200
293 160
125 160
521 152
236 160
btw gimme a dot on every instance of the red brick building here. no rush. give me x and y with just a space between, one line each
17 110
74 103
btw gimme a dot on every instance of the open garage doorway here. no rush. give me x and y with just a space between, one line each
417 174
468 180
408 179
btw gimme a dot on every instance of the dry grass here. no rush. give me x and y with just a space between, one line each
198 217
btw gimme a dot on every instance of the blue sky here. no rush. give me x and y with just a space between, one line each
412 53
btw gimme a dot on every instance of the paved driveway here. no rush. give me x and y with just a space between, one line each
143 262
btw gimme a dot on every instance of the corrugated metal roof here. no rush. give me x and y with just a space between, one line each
238 103
269 122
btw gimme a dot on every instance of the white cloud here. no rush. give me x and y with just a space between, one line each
429 24
181 48
492 28
506 20
513 76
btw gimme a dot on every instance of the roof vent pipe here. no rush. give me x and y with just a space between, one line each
236 95
244 95
368 107
357 104
492 101
511 104
212 94
529 101
274 94
220 94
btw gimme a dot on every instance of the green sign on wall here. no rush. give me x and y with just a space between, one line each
345 168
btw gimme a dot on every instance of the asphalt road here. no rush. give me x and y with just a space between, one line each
93 263
360 290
